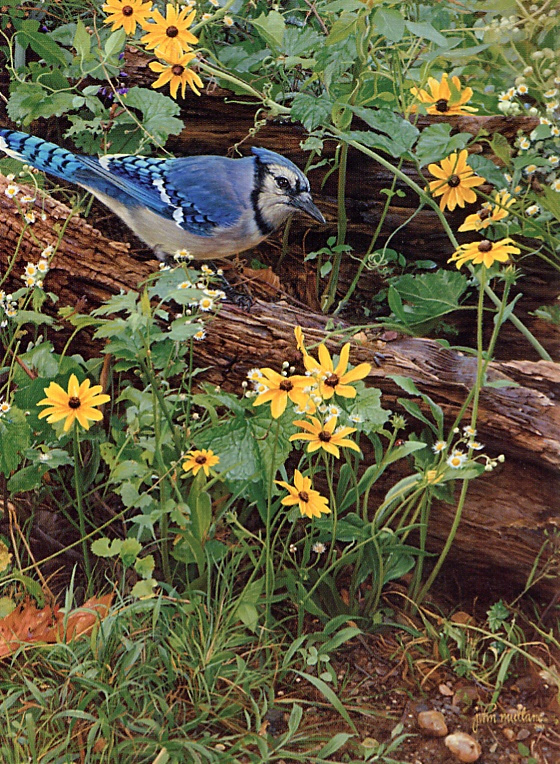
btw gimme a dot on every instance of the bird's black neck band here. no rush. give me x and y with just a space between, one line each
260 173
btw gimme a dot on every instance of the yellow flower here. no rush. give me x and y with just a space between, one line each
126 14
490 213
170 35
311 503
280 389
78 402
443 99
175 71
484 252
325 436
200 460
6 556
335 380
300 339
455 181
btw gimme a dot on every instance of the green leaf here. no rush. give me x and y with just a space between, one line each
26 479
427 296
144 566
41 43
497 384
82 40
342 28
294 721
389 23
7 606
426 30
271 28
298 41
105 548
311 111
550 201
115 43
402 132
158 113
367 405
436 142
330 695
129 551
15 437
336 742
143 589
501 148
487 170
29 101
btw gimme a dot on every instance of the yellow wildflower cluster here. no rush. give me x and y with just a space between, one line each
312 394
169 37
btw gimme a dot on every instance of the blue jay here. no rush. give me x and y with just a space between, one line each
210 206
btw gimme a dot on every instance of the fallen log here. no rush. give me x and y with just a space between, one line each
510 514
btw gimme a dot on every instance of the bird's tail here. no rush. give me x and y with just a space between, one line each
40 154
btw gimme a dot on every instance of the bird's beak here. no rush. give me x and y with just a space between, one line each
304 203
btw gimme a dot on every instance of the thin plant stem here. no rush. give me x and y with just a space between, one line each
80 507
481 366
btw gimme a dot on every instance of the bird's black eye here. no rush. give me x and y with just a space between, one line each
282 182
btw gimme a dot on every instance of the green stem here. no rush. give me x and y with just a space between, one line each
445 551
80 509
481 366
328 296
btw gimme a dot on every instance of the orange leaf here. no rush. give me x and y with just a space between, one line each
27 624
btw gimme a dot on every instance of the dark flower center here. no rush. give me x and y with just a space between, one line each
200 459
177 70
442 105
453 181
127 10
332 381
485 246
325 436
172 31
303 496
484 213
74 402
286 385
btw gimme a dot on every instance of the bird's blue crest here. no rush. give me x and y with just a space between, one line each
271 157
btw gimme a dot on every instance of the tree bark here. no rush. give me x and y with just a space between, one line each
509 514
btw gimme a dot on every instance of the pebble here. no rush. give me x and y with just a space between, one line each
432 723
463 746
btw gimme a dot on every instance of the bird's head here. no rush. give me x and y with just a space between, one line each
280 190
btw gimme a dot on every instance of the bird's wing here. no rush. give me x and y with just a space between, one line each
199 193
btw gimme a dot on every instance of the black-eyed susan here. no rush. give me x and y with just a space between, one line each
78 403
203 459
126 14
456 181
276 389
170 35
324 435
333 379
310 502
444 98
177 73
484 252
489 213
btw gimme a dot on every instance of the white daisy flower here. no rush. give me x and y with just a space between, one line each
456 460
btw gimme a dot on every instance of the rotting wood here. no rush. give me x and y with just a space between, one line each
509 514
